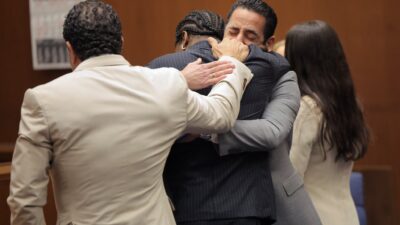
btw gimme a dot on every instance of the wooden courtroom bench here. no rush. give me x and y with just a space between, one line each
4 190
6 151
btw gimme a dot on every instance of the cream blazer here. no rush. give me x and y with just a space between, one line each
327 181
103 133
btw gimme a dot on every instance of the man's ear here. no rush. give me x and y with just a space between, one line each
73 58
185 40
270 43
122 43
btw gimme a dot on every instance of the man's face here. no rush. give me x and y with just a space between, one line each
246 26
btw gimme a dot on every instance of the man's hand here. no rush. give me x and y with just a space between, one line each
229 47
200 75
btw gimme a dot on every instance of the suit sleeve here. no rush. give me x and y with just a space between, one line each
305 134
163 61
30 165
267 133
218 111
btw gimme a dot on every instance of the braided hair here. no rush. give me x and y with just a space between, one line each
200 22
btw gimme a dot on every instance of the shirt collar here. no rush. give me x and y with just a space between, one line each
102 60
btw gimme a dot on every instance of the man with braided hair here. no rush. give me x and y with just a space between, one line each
204 187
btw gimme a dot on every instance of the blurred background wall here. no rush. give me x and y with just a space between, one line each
369 31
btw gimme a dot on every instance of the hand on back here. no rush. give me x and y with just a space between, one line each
201 75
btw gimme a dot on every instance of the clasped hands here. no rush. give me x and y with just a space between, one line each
201 75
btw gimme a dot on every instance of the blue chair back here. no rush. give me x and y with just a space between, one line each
357 191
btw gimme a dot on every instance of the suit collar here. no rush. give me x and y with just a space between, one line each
200 45
103 60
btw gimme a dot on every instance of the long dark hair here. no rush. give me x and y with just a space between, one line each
316 54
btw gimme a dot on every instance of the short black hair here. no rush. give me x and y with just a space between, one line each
200 22
93 28
261 8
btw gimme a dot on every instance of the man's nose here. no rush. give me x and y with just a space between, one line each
240 37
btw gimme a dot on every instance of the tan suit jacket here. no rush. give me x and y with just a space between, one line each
326 180
103 132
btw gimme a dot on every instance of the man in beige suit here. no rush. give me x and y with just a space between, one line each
103 132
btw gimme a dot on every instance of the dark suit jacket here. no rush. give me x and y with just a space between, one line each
205 186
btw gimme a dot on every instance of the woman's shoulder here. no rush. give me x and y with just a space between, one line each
309 104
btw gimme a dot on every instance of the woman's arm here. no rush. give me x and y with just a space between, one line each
276 123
